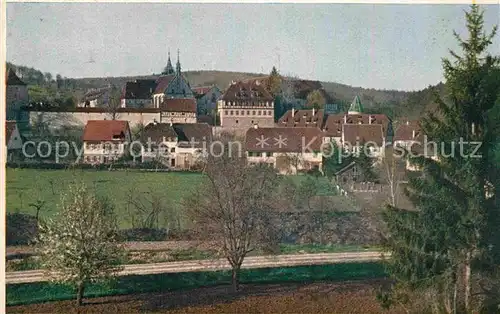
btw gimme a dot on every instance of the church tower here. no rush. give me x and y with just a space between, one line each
178 65
169 69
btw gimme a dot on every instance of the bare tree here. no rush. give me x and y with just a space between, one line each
113 103
38 205
233 207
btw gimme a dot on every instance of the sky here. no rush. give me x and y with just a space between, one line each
390 46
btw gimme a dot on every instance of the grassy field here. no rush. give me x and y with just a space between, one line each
26 186
43 291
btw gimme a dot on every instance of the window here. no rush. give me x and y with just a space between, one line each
248 112
172 150
236 121
242 112
231 113
259 113
225 112
253 112
237 112
264 112
250 154
269 112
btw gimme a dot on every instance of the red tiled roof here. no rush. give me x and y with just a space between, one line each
162 83
293 139
332 127
178 105
157 131
105 130
362 118
302 118
363 133
405 131
253 90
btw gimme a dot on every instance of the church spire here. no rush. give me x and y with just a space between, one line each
169 69
178 66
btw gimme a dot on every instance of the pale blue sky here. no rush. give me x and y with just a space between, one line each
374 46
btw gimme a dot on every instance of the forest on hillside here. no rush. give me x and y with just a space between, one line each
47 87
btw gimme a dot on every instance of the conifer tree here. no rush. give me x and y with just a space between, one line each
451 244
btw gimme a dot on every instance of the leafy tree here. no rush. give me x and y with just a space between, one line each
451 243
79 245
114 103
316 99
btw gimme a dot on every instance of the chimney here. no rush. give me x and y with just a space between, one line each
155 122
473 129
413 134
407 122
255 126
314 112
369 119
257 82
345 118
293 112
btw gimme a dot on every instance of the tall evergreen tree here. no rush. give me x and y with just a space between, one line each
274 83
451 242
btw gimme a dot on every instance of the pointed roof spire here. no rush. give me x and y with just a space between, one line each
178 66
169 69
356 106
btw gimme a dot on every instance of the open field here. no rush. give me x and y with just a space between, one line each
26 186
321 297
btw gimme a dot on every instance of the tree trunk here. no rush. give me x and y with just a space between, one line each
467 281
235 278
79 293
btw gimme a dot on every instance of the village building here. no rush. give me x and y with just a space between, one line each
16 98
302 118
179 146
171 84
151 93
206 99
13 142
96 97
364 138
289 150
245 104
178 110
105 141
138 94
159 143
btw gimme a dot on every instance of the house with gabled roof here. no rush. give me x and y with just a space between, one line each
13 141
16 97
105 141
289 150
245 104
177 145
206 98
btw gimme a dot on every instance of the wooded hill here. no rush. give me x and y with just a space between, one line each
392 102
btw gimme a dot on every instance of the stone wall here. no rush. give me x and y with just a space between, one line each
59 119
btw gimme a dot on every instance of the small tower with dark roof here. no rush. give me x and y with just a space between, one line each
169 69
178 65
